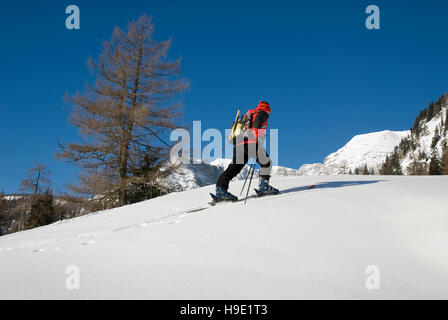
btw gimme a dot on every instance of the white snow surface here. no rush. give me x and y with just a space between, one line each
303 244
370 149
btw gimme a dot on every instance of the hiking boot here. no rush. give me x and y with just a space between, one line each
264 188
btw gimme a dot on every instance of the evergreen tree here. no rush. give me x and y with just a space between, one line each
42 211
391 165
417 168
422 156
396 166
148 178
446 120
384 170
365 170
435 164
429 113
436 138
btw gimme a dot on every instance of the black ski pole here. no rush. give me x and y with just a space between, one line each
247 176
250 181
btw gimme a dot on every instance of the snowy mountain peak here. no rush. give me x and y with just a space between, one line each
368 149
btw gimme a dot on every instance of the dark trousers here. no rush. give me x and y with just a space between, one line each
241 155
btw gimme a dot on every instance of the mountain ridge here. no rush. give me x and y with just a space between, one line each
369 149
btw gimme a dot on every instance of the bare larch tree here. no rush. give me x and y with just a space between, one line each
37 180
123 117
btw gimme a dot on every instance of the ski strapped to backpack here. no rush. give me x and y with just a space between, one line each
236 128
240 125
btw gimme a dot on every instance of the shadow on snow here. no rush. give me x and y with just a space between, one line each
332 184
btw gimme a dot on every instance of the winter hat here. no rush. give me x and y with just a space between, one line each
263 105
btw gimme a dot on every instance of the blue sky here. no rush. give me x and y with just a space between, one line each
326 76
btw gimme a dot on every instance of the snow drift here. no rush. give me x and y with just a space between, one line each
305 243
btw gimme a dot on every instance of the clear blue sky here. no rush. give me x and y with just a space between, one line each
326 76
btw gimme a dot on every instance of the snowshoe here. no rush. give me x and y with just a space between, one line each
222 195
264 188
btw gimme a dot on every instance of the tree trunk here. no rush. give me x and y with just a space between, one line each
37 184
130 127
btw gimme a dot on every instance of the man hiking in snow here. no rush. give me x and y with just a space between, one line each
249 145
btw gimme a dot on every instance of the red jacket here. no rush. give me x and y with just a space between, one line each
256 123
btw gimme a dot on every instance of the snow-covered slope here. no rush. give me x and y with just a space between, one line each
366 149
303 243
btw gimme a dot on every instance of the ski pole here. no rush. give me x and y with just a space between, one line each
247 176
250 181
